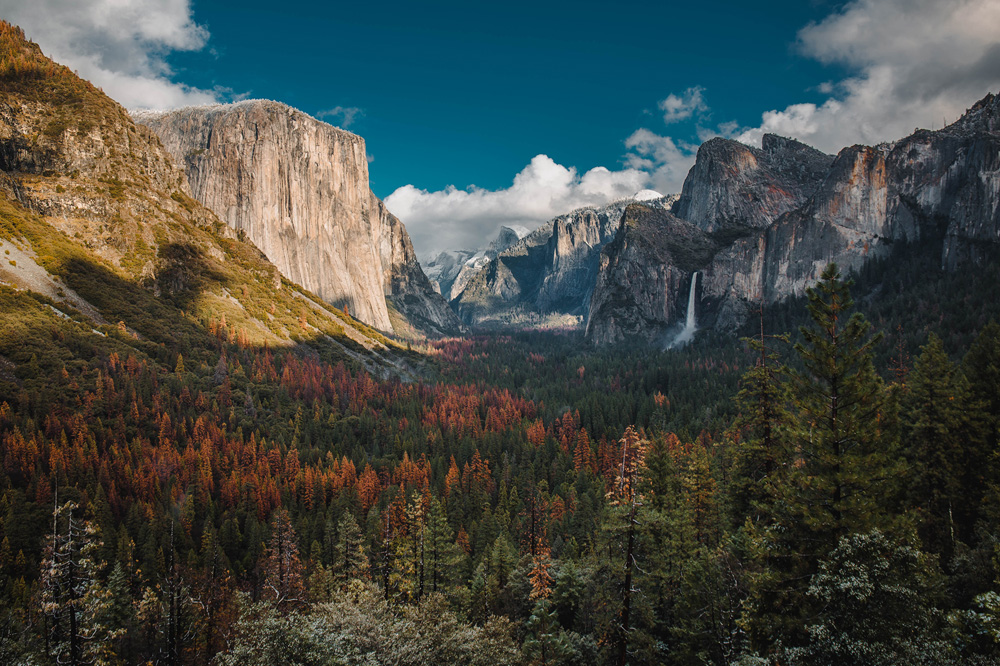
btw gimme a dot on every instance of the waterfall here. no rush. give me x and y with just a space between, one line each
690 325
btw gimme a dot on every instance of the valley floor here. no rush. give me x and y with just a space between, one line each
532 500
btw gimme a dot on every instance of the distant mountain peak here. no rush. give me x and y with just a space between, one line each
449 271
984 116
646 195
780 213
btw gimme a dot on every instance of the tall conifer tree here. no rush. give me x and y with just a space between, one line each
837 472
945 461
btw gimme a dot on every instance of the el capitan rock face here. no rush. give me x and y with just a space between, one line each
778 218
298 188
95 217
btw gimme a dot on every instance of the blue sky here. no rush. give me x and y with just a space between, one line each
458 93
480 114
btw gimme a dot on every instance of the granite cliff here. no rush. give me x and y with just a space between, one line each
450 271
298 188
94 217
777 216
644 274
547 277
733 186
444 269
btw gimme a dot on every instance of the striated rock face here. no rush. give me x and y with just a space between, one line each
416 308
298 188
451 271
846 221
644 276
949 181
932 185
444 269
95 217
795 217
548 276
735 186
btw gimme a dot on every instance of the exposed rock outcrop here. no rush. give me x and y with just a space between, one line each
933 185
735 186
443 269
95 216
450 271
298 188
548 276
778 217
644 275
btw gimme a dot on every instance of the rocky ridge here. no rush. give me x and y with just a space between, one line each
941 186
451 270
96 214
547 277
644 275
298 188
733 186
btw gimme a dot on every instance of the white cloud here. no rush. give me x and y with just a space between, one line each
458 219
666 160
683 107
913 63
347 114
119 45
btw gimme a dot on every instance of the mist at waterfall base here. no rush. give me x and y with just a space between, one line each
686 334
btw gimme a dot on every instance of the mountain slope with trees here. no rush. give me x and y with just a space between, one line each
226 476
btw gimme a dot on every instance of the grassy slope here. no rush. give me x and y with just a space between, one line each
116 227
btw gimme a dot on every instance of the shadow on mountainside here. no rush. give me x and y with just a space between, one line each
184 276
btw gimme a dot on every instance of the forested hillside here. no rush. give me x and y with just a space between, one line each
537 503
202 463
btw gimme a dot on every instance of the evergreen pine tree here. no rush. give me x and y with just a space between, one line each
120 614
72 596
981 366
759 428
877 607
946 462
443 555
349 558
282 568
546 643
622 527
836 474
411 553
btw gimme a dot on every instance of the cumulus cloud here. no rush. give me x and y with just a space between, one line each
913 63
676 108
346 114
457 219
666 160
466 219
119 45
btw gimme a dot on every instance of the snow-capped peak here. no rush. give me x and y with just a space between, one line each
518 229
647 195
